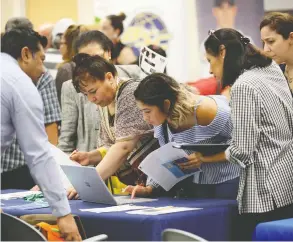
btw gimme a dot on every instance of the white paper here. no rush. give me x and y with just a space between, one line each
159 165
63 159
162 210
120 208
16 195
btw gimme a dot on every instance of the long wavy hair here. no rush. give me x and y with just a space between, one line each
154 89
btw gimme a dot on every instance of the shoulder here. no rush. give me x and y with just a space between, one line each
126 56
131 71
206 111
45 81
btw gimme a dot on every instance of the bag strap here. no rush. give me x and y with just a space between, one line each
165 132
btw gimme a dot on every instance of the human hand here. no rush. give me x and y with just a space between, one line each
81 157
35 188
138 190
72 193
194 161
68 228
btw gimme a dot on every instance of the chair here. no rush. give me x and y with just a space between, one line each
180 235
15 229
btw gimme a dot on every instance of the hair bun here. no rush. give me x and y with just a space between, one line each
245 40
122 16
80 58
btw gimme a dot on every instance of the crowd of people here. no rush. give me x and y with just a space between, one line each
99 111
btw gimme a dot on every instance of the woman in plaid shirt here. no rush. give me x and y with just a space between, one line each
262 137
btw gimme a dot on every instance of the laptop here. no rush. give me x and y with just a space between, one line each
91 187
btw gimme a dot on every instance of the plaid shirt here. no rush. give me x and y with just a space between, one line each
12 157
262 139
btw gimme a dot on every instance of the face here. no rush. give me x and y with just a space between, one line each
101 93
275 46
32 63
216 65
63 46
108 30
95 49
152 114
225 15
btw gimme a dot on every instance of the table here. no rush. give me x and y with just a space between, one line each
213 222
280 230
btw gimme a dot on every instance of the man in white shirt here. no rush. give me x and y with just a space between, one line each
22 56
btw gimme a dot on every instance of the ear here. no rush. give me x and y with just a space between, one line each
109 76
167 105
235 10
215 12
117 32
291 38
222 51
26 54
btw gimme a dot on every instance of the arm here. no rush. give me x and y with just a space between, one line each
68 133
246 118
115 157
28 120
52 132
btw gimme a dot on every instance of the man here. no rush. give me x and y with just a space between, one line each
12 159
22 114
225 12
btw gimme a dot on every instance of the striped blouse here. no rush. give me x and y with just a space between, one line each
218 131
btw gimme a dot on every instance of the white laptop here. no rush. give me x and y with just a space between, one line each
91 187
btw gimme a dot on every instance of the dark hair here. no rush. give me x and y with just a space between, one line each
93 36
240 53
18 22
218 3
282 23
15 40
154 89
92 68
158 50
117 21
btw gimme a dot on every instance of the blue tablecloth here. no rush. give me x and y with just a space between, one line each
280 230
213 222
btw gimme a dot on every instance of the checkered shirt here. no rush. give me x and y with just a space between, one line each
12 157
262 139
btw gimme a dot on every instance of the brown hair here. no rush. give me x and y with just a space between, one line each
70 36
282 23
117 21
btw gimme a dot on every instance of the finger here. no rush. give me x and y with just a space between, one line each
69 237
71 195
76 197
77 237
73 153
134 191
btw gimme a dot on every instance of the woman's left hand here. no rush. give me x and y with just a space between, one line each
194 161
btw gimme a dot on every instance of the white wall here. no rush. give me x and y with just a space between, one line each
271 5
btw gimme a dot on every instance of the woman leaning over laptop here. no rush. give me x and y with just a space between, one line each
125 137
179 115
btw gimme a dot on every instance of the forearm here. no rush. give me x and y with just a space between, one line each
220 157
95 157
114 158
52 132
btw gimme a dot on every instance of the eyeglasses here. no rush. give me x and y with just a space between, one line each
212 33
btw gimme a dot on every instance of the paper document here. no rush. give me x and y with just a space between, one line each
29 206
162 210
120 208
162 166
63 159
16 195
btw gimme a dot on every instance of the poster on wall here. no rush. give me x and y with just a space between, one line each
242 15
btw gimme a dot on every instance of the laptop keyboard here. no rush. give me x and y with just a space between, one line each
127 200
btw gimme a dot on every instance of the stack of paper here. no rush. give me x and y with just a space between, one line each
120 208
162 210
16 195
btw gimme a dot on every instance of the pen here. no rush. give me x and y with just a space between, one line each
55 230
75 151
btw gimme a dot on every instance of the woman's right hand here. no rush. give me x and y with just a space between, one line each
138 190
72 193
81 157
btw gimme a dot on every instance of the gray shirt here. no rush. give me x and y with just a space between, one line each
22 115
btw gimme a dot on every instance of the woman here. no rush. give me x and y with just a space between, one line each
180 116
125 138
262 138
67 50
112 27
277 35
